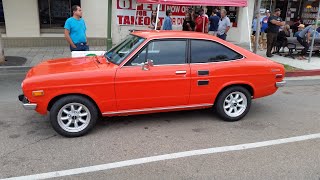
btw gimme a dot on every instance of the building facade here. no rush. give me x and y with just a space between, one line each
40 22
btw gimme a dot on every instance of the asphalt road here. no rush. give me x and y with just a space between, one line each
28 144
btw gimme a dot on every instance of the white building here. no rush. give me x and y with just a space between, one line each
40 22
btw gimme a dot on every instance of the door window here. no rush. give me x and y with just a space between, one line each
162 53
203 51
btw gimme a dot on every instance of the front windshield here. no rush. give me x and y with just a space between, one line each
117 54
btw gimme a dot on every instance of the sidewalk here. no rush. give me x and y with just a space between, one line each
35 55
300 64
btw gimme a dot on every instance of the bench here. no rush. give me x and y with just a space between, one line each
294 45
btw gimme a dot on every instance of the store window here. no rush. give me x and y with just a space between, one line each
54 13
310 10
232 13
2 22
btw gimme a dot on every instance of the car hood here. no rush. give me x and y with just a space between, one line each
64 65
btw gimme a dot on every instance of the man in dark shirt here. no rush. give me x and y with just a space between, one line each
214 23
274 23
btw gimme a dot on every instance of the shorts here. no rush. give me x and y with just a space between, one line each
264 35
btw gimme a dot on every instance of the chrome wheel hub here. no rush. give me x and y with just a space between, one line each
74 117
235 104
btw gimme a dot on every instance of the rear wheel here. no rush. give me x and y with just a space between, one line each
233 103
73 116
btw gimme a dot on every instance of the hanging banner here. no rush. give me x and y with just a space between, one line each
126 10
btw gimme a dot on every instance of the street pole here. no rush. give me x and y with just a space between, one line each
314 35
257 35
2 59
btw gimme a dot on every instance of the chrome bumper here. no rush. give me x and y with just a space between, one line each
26 104
281 84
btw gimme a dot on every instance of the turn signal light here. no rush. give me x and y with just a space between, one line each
37 93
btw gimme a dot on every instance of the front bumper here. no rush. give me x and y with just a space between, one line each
26 104
281 84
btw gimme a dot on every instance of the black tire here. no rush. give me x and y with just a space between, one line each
219 105
64 101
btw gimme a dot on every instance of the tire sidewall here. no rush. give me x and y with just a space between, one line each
224 94
73 99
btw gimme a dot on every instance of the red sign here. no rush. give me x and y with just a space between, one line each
126 13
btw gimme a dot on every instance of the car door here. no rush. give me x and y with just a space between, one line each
212 65
163 85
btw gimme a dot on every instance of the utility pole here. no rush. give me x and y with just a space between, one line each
257 35
2 59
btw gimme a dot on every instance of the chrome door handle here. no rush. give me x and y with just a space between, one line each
181 72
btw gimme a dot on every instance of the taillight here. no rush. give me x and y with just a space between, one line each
279 76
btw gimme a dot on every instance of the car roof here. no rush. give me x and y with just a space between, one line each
171 34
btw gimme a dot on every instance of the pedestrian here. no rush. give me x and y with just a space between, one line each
224 25
274 23
304 39
214 23
264 26
154 21
202 22
75 31
188 24
218 12
167 24
254 26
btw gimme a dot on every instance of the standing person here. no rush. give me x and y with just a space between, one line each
214 23
254 26
167 24
75 31
188 24
153 20
274 23
224 25
218 12
264 26
202 22
304 39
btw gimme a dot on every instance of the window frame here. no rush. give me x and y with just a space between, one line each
145 47
212 41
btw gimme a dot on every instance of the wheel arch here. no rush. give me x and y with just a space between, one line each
244 85
56 98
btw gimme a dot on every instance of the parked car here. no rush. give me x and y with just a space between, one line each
148 72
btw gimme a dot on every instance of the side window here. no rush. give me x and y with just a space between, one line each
139 59
207 51
162 52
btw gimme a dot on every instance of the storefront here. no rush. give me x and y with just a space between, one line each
40 22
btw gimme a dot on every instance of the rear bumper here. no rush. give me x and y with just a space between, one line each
26 104
281 84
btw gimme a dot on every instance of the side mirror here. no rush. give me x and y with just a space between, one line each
146 66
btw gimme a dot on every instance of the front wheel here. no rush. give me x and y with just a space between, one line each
73 116
233 103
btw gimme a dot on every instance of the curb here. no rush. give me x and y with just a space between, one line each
14 69
303 73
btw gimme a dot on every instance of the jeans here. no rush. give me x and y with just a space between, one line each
80 47
271 41
305 44
223 36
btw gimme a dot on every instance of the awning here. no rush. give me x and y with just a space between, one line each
236 3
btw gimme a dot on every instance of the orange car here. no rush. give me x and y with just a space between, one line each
150 71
